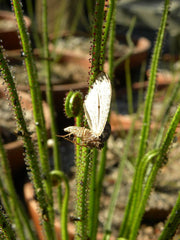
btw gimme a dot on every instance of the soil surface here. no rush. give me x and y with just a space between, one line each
64 73
7 25
81 45
8 127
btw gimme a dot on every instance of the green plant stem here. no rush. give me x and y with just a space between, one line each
59 176
33 83
111 53
129 86
143 167
83 173
108 21
129 33
97 65
57 162
131 207
151 86
159 161
113 64
111 47
165 114
31 155
97 39
85 169
129 42
90 8
3 193
57 32
4 166
116 189
77 15
98 54
172 223
73 108
12 208
79 121
49 94
148 105
6 230
141 80
97 193
37 108
34 32
165 117
92 199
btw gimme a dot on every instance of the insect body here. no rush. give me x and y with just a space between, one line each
86 135
96 108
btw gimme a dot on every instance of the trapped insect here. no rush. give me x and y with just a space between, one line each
96 107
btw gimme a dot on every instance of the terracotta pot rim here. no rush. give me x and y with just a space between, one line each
10 16
121 122
138 55
163 79
69 86
59 87
143 45
69 57
69 52
14 144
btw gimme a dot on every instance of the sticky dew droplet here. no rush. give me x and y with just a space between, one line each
50 143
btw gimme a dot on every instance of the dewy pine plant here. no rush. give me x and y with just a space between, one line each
14 221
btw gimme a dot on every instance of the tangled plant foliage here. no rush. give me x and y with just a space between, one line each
14 221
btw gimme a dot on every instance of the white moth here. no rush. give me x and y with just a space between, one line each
96 107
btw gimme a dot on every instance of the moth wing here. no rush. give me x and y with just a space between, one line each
76 131
97 104
91 108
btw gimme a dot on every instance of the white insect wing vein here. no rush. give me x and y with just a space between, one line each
99 96
92 109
